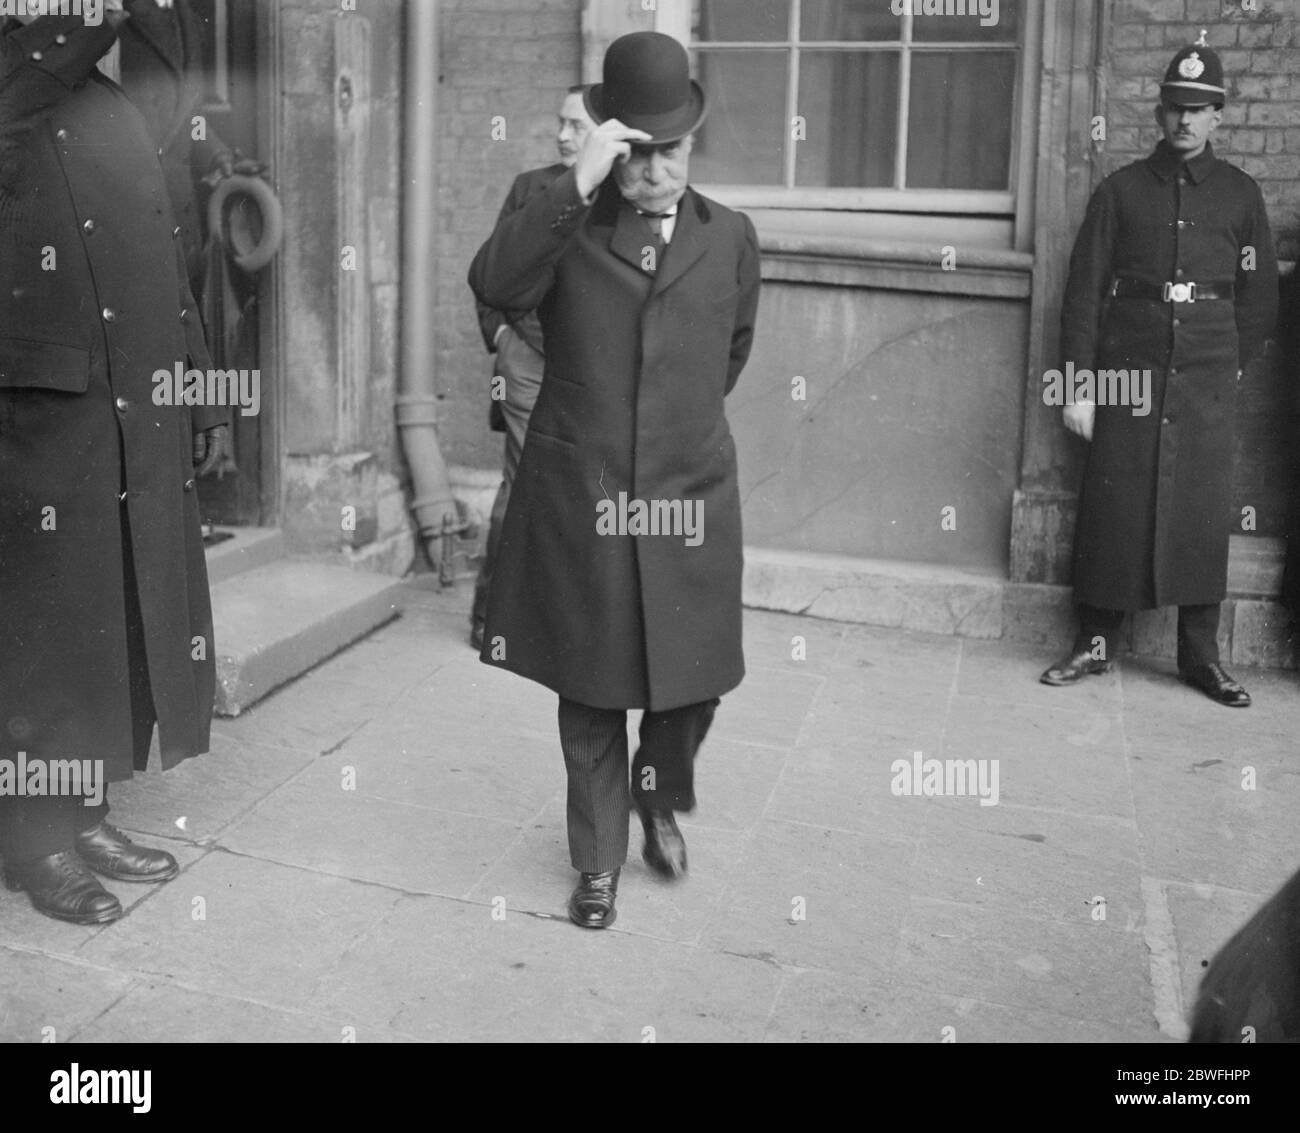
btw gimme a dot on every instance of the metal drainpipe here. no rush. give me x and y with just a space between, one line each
417 405
1100 95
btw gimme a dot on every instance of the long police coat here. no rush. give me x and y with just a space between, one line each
1153 519
637 367
93 300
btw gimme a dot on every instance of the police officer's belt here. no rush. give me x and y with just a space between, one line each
1171 292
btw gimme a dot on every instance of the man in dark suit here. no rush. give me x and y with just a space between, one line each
611 588
106 626
1173 287
515 337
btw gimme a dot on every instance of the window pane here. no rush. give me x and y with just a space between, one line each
742 142
968 29
848 19
850 103
745 20
959 120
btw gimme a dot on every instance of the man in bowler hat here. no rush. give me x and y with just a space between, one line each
1173 274
647 294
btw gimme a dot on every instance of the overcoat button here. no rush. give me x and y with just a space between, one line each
62 135
176 231
60 39
109 314
185 313
36 56
88 226
189 485
121 404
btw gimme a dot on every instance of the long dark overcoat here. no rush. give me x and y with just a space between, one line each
637 367
1154 511
93 300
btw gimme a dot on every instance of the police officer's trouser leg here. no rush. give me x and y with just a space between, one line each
33 827
1098 632
1198 636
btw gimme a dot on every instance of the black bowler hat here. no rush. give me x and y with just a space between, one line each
1194 77
648 86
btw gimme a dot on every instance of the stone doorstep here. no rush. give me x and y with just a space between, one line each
950 600
250 548
276 621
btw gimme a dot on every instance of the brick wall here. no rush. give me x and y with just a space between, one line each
513 58
1260 50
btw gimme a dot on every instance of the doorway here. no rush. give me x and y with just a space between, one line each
239 64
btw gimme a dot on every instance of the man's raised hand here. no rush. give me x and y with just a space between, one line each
602 147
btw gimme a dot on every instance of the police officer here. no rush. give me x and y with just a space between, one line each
106 624
1173 272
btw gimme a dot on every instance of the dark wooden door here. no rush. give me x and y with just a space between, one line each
236 105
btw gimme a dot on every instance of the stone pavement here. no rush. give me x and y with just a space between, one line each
377 851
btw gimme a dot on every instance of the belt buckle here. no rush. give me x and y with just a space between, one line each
1180 293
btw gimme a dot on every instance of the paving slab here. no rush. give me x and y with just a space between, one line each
445 765
769 706
1201 826
1088 970
1045 757
48 998
817 1006
199 798
1021 861
311 714
268 932
318 825
846 785
161 1011
811 897
801 644
441 969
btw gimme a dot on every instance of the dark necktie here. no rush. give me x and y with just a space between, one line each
655 222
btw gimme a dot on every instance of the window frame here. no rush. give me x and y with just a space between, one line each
1014 204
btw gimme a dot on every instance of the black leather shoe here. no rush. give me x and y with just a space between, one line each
592 903
665 848
1217 685
108 851
1074 668
60 886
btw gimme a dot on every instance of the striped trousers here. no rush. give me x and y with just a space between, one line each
594 742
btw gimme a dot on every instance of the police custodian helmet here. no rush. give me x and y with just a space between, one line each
1194 77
